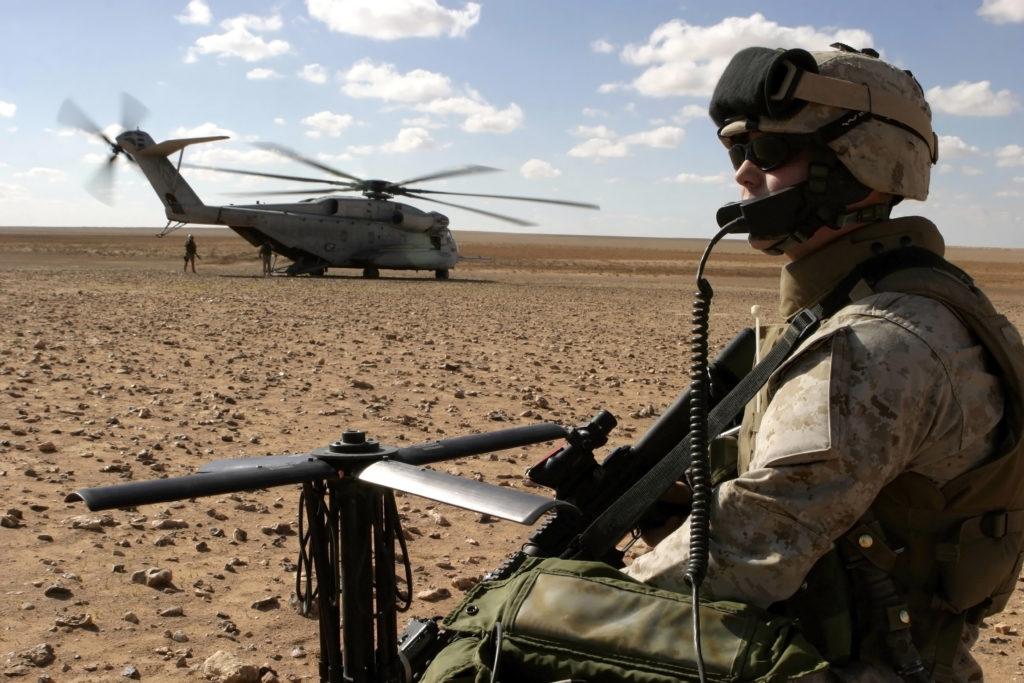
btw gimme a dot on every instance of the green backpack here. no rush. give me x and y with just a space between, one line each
567 619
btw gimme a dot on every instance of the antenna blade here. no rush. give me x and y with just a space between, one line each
473 444
250 475
497 501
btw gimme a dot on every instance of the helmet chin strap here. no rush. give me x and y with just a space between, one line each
794 214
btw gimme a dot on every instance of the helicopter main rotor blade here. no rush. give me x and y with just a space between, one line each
562 202
132 112
272 193
73 117
469 169
278 176
500 217
295 156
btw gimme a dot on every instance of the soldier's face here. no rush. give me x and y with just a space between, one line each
755 182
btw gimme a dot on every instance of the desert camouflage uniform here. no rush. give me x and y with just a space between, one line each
892 382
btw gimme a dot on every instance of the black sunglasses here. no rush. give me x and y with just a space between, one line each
766 151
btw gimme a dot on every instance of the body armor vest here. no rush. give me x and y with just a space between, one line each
925 559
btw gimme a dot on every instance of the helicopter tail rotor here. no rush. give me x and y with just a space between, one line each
133 112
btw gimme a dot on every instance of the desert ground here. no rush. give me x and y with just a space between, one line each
116 366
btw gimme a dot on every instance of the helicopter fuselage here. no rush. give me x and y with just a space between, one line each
346 233
334 232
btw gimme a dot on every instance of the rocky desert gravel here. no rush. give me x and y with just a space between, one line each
115 366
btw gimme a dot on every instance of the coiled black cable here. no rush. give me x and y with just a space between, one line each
699 472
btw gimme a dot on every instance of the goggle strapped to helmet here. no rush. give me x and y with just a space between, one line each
777 84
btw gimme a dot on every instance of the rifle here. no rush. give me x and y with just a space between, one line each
590 487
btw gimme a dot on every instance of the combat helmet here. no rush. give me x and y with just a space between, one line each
872 114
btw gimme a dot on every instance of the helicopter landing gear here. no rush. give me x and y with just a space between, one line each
371 273
441 274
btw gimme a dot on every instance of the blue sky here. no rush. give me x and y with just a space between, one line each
593 101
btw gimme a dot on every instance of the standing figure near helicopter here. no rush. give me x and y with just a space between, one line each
190 253
265 252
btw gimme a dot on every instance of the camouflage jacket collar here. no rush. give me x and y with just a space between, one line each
807 281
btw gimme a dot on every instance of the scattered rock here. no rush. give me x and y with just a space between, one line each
433 594
58 591
154 577
224 667
75 621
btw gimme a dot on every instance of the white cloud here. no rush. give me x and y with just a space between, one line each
971 171
366 79
1002 11
261 74
535 169
695 179
411 140
603 142
599 148
314 73
239 41
422 122
253 22
246 158
684 59
665 137
196 12
480 117
953 147
7 110
394 19
202 130
593 132
40 173
13 193
327 123
972 99
1010 155
602 47
691 112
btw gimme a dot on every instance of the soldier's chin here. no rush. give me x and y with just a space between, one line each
765 246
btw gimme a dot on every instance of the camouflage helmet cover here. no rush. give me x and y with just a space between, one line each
890 151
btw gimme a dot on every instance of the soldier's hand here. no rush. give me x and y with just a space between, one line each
667 514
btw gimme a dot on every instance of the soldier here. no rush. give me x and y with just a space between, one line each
876 483
190 253
878 494
265 252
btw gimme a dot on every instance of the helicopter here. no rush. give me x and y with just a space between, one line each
332 231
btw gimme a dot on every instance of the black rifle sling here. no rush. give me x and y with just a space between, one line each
621 517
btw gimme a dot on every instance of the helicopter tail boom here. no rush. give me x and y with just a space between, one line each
180 201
